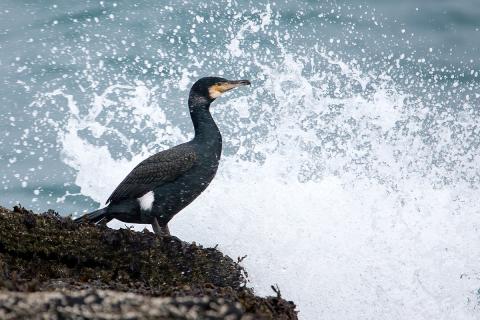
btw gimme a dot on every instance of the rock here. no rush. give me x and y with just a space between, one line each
53 268
107 304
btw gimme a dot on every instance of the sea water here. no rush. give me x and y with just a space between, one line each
351 168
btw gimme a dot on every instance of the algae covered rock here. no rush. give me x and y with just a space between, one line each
107 304
51 266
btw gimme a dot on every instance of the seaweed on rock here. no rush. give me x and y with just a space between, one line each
44 253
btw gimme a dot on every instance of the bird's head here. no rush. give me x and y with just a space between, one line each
207 89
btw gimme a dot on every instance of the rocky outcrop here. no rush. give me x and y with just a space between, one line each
53 268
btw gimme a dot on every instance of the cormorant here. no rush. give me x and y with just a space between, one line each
166 182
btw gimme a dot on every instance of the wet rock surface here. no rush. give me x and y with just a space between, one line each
53 268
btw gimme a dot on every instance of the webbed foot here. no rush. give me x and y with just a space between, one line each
163 231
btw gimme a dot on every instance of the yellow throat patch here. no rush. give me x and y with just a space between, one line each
216 90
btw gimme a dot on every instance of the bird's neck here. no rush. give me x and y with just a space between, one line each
205 127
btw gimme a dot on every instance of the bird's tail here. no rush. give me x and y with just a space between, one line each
95 216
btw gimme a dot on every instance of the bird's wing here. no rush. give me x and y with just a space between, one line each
152 172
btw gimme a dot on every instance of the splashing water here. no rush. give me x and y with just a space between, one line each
351 180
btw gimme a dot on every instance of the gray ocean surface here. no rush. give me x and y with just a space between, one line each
357 145
46 45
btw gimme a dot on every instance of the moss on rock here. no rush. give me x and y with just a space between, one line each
49 253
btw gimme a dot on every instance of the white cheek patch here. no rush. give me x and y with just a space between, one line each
146 201
214 93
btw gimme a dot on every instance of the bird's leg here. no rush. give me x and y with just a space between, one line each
103 222
161 230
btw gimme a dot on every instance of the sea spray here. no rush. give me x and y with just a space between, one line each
349 179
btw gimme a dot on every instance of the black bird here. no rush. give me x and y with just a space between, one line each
165 183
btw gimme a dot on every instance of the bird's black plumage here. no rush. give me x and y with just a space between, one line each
174 177
163 167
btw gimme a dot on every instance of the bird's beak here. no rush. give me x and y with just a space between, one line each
217 89
238 83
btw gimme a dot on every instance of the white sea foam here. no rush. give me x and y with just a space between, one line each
359 200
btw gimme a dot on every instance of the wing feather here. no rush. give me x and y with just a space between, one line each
154 171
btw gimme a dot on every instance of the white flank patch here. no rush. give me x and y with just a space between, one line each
146 201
